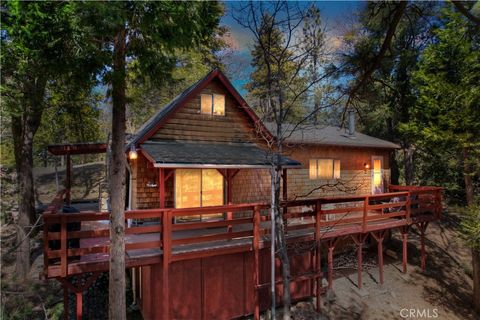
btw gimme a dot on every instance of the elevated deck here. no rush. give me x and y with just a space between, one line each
186 253
79 242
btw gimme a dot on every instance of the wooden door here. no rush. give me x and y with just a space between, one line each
377 175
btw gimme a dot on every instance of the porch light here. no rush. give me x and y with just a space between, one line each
366 166
132 154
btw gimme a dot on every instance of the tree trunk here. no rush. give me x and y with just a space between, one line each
117 301
273 233
476 279
467 177
394 169
281 244
24 128
408 153
26 208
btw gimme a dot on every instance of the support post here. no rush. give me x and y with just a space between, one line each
78 290
161 187
404 231
229 198
365 213
79 300
256 247
422 226
68 181
318 253
379 238
167 220
285 185
66 308
331 247
359 240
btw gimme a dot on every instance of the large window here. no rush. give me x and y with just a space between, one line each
324 169
212 104
198 188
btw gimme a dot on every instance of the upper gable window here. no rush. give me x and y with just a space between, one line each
212 104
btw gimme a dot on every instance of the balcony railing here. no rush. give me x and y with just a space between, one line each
79 242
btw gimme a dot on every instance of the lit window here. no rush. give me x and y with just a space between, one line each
212 104
324 169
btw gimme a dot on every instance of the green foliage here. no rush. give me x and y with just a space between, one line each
44 52
385 100
445 121
146 97
471 225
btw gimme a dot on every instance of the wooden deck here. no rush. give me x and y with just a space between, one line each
86 250
77 244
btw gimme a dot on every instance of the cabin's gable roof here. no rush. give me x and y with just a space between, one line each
329 136
157 120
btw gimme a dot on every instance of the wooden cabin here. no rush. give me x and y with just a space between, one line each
207 147
198 237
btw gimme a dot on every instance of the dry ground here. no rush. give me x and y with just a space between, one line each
444 289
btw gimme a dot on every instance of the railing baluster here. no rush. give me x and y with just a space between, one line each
45 247
63 245
408 207
365 212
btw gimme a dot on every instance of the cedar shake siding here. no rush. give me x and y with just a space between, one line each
144 196
254 185
188 124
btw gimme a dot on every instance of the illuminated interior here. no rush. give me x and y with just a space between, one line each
377 175
198 188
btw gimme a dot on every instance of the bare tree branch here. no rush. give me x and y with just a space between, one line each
466 13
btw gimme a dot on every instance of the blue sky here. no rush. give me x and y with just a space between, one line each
333 15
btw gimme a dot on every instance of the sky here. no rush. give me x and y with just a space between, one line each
334 14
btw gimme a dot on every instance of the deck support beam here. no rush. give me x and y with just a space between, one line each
359 239
331 247
379 236
78 289
65 302
404 230
422 226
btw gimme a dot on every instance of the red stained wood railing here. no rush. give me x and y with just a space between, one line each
155 232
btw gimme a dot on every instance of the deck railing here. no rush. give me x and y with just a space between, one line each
75 241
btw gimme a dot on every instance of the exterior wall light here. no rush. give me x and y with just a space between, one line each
133 154
366 166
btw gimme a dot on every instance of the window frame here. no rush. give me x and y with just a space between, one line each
335 162
211 108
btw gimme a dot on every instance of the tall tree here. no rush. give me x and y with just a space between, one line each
145 97
385 98
272 39
447 114
144 36
284 56
76 110
39 47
